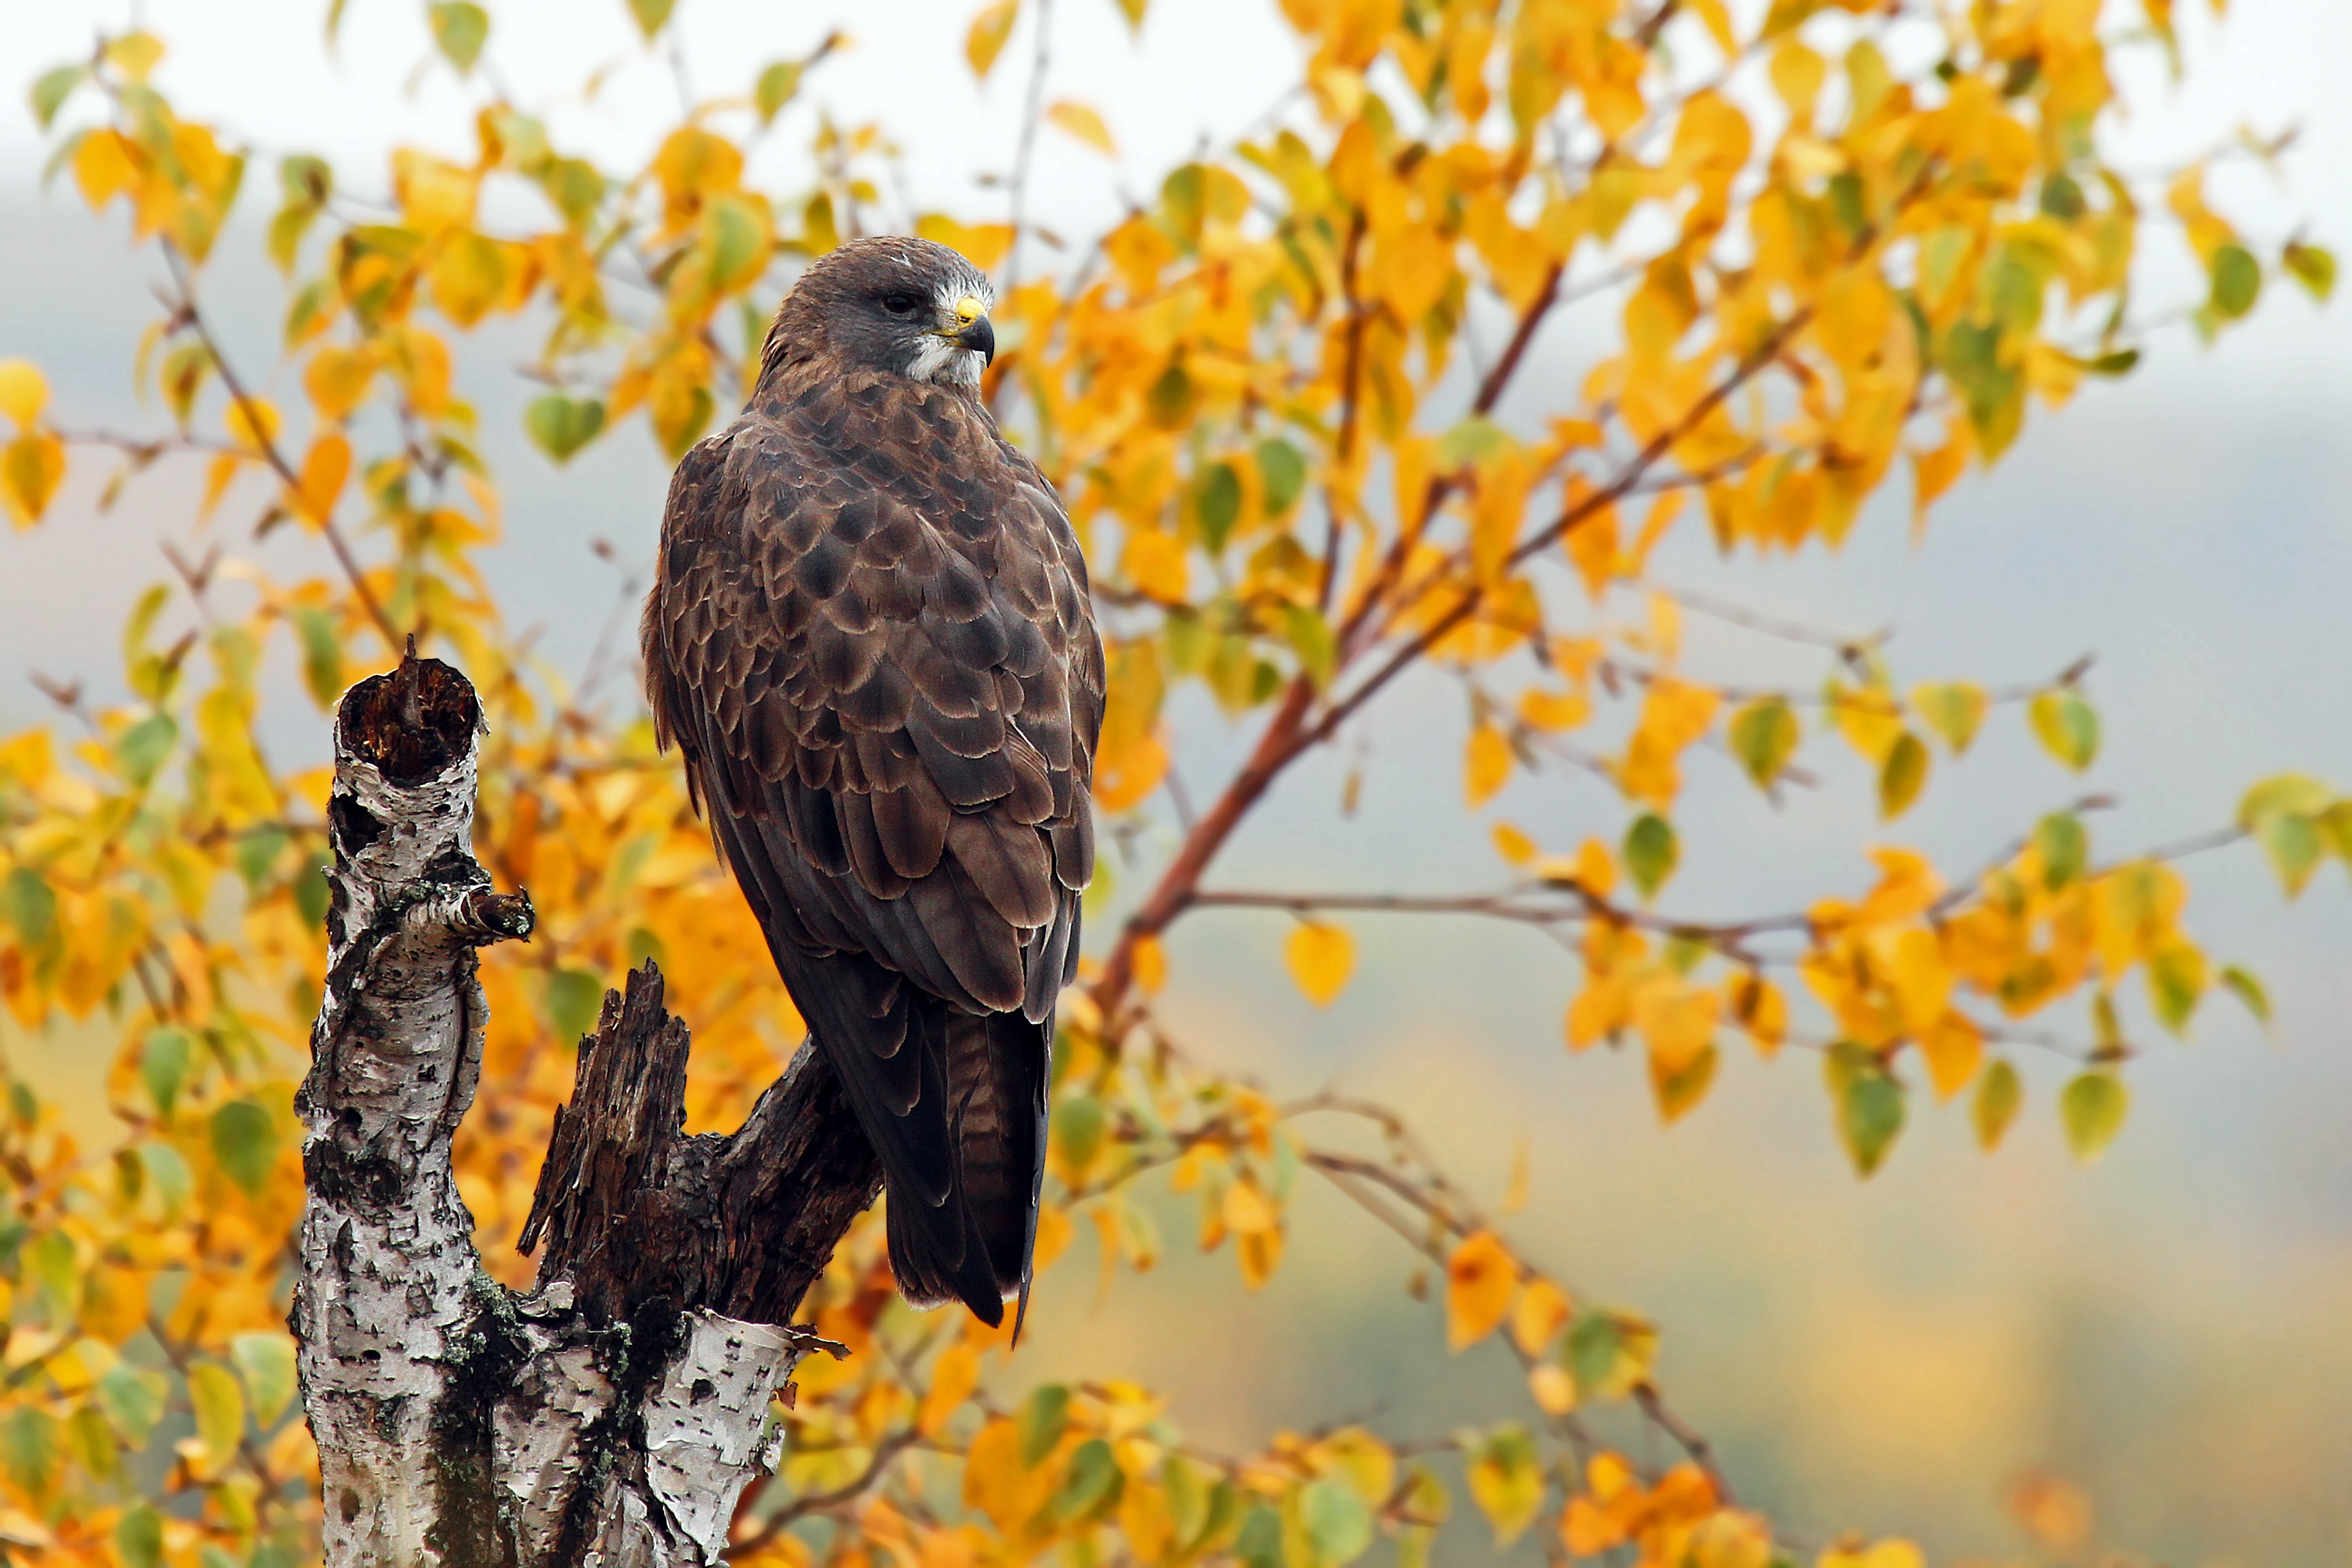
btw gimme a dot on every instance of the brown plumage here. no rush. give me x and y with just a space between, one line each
871 638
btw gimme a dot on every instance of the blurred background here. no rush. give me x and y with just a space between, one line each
2165 1330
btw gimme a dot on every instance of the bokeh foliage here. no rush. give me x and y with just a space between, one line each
1841 249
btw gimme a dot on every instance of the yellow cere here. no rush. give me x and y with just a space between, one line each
968 308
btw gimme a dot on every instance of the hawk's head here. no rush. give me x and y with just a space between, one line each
890 303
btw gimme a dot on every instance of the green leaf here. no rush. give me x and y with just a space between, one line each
1217 502
650 16
1282 475
1338 1524
245 1142
1870 1115
459 30
1260 1543
27 903
133 1401
1764 736
2066 726
170 1175
1472 442
2091 1108
2298 794
1506 1481
322 656
575 999
2248 988
1079 1122
310 893
1902 777
2176 984
265 1362
1651 852
1954 709
776 88
139 1538
145 747
2120 362
2061 197
257 849
1090 1486
52 88
1310 638
2066 847
219 1400
2312 267
1043 1421
2294 845
164 1059
29 1451
2237 281
560 425
1170 399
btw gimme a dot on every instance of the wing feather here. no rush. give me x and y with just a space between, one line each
872 640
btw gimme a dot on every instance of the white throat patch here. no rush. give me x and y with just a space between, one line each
948 361
943 360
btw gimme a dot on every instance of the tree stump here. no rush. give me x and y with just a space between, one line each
612 1415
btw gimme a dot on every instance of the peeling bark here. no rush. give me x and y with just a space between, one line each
612 1416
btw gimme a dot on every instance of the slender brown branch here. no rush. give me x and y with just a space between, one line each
186 309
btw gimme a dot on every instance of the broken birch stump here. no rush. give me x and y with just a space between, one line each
611 1417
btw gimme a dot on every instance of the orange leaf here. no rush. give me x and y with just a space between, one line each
1320 958
953 1377
1150 963
1480 1280
324 468
1487 765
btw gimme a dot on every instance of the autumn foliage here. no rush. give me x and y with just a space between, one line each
1298 475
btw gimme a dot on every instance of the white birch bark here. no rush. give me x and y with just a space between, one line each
458 1424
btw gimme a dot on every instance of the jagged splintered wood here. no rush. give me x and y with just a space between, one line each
611 1417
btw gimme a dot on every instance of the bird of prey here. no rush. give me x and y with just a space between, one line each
871 638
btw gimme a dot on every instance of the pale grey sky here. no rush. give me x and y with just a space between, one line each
2165 1325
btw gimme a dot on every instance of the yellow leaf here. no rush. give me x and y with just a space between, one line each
1506 1481
989 31
1551 710
953 1377
252 422
1543 1309
1731 1539
1150 961
337 378
219 1400
1760 1009
1553 1390
31 469
103 168
1320 958
1514 1196
1084 124
1889 1553
1480 1279
1953 1048
1154 562
1487 765
24 390
1514 845
324 468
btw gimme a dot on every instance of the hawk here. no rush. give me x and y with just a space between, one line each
871 638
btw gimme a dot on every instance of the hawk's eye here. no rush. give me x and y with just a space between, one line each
899 304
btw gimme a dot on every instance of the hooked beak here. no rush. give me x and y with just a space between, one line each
975 332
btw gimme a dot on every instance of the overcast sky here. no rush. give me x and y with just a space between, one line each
2167 1324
